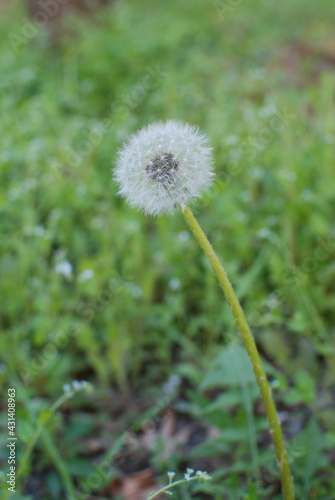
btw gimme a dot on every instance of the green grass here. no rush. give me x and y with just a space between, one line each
152 308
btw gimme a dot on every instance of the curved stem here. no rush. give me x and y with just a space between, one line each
169 486
166 488
249 342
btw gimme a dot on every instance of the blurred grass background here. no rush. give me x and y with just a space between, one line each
91 289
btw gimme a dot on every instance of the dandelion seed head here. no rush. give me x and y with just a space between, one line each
164 165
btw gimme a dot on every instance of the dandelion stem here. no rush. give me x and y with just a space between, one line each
249 342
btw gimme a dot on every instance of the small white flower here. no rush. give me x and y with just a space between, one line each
202 475
288 175
267 111
87 274
174 284
81 385
65 268
183 236
135 290
171 475
67 388
307 195
264 233
76 385
164 165
275 383
272 301
35 231
231 140
256 172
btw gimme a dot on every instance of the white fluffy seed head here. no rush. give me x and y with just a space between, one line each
164 165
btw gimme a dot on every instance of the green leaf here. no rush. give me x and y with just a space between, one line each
232 367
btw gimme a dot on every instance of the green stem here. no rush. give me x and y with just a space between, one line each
249 342
169 486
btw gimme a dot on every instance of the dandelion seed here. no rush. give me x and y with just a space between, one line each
164 165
